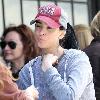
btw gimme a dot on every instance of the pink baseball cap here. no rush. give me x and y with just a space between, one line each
54 16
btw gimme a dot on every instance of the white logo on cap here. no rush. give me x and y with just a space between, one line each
47 10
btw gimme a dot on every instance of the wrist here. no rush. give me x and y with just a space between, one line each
46 67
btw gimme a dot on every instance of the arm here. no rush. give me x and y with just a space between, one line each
25 77
24 80
77 79
9 89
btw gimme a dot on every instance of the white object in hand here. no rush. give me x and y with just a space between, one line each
48 60
32 93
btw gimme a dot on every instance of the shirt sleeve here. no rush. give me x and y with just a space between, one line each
25 77
79 72
24 80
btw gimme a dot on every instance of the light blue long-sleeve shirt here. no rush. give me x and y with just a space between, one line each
71 80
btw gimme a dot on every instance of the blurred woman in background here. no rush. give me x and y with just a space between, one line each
18 47
83 35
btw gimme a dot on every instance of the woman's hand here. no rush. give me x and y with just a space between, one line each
32 93
47 61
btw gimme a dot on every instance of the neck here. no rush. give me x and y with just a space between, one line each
18 64
56 51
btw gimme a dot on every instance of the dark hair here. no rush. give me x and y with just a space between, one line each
69 41
62 28
28 39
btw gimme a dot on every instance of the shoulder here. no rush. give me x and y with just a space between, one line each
92 49
76 57
71 53
31 63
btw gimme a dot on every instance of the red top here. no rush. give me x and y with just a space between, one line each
9 89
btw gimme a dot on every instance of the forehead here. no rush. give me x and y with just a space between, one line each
41 22
13 35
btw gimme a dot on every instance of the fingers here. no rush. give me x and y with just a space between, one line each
48 61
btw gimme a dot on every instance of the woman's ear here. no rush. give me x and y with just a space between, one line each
62 34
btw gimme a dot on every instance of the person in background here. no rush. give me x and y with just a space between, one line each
9 90
83 35
93 52
58 74
69 41
18 47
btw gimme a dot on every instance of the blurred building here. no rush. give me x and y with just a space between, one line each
15 12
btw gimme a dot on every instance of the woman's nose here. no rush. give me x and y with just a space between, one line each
42 32
6 47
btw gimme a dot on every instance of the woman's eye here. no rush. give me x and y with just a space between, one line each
49 28
36 25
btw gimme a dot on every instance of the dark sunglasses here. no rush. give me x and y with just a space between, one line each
11 44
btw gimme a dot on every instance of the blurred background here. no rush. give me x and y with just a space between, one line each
15 12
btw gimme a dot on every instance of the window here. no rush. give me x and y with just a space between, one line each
1 19
77 11
46 3
67 7
18 11
64 0
12 12
80 0
81 14
30 9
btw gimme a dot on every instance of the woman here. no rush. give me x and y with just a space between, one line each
58 74
83 35
93 52
9 90
18 46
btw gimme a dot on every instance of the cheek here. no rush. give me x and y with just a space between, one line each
18 53
37 36
37 30
19 49
36 33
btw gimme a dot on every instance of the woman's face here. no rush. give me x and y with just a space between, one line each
14 47
46 37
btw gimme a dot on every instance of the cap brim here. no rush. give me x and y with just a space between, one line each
50 22
32 22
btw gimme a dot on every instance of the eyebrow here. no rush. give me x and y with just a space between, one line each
38 22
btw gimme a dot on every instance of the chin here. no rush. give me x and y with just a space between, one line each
41 46
9 58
